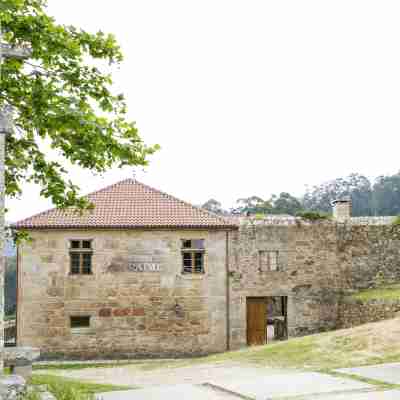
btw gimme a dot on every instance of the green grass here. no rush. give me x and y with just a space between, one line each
34 395
368 344
141 365
77 365
391 292
61 387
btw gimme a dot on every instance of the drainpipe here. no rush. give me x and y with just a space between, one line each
228 327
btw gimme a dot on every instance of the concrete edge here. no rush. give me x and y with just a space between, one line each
226 391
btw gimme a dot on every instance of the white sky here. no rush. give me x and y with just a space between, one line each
250 97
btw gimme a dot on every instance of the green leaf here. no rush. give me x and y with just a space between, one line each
61 97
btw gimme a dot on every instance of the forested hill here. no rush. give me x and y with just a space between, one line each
369 198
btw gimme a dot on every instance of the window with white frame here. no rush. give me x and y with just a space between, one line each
193 256
80 254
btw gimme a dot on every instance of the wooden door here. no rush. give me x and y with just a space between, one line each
256 321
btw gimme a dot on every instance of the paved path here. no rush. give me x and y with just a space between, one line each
386 395
385 372
176 392
234 381
293 384
198 392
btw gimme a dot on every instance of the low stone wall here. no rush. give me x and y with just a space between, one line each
352 312
12 387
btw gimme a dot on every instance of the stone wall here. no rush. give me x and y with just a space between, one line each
167 313
309 274
356 312
132 314
319 263
369 253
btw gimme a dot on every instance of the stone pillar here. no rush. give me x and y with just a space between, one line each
5 128
2 235
342 209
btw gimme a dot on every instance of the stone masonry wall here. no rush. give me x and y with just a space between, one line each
132 313
355 312
370 254
169 314
318 264
309 274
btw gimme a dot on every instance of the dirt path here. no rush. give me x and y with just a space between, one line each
131 375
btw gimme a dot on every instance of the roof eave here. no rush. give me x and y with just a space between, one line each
127 227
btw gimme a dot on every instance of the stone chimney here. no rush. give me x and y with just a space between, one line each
342 209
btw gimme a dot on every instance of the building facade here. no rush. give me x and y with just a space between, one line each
148 275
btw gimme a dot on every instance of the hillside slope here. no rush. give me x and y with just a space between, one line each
367 344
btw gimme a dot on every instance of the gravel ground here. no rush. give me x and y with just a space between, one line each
131 375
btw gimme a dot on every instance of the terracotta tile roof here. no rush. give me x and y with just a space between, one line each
129 204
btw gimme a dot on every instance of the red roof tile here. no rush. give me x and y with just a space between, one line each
129 204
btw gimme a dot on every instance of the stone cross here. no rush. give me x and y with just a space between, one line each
6 127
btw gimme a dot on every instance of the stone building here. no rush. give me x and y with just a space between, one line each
145 274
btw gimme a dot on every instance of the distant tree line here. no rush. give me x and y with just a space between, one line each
377 198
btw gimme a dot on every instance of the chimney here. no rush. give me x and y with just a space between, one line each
342 209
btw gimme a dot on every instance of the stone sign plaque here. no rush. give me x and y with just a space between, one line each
144 267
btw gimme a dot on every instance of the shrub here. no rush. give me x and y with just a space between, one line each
396 222
313 215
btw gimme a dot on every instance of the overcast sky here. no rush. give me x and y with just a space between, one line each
250 97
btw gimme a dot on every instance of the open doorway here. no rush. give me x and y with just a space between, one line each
266 319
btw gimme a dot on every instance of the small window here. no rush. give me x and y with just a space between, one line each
273 260
86 244
80 252
80 322
75 244
193 244
268 261
193 256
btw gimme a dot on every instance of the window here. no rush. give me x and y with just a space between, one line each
80 252
268 261
193 256
80 322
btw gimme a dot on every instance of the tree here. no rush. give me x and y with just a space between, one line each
62 99
213 206
357 186
386 195
285 204
252 205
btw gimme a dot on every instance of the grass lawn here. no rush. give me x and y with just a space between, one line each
78 365
391 292
369 344
140 365
61 387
